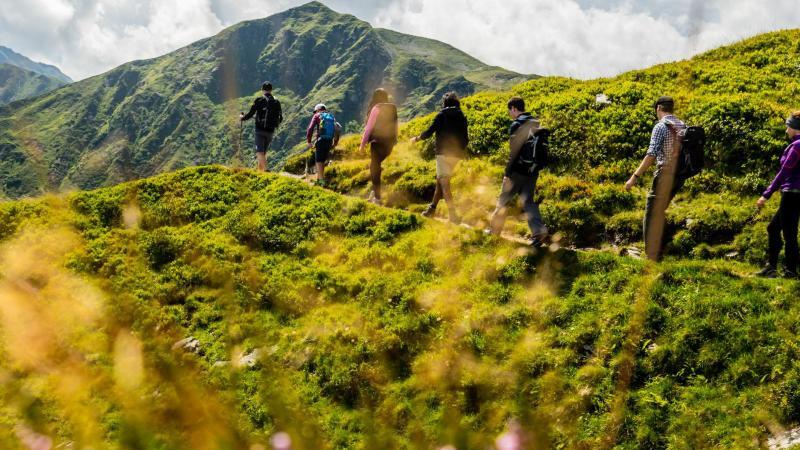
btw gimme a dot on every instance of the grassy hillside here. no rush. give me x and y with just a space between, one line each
18 84
741 94
365 327
181 109
8 56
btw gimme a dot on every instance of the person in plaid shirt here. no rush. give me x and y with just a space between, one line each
664 145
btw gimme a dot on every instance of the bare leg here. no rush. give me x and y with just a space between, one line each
375 174
262 161
447 193
320 171
437 195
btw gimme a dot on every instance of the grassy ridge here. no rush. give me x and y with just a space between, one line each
373 329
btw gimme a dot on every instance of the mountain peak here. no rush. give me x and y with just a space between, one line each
312 7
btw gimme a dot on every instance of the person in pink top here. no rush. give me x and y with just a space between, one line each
381 133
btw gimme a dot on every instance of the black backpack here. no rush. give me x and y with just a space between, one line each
271 116
691 159
535 152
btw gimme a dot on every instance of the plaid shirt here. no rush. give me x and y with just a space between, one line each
662 142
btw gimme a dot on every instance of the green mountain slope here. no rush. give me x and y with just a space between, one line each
180 109
9 56
365 327
17 84
741 94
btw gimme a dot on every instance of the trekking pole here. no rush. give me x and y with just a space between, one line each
241 133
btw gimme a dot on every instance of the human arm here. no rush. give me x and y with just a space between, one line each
311 127
373 118
648 161
250 114
657 141
789 163
433 128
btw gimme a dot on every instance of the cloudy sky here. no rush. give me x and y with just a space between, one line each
579 38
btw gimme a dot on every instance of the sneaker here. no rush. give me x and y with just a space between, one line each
767 272
790 274
429 211
372 199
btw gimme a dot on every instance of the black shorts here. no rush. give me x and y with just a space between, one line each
322 150
263 141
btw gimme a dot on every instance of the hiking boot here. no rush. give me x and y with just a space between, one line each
429 212
540 240
538 243
790 274
767 272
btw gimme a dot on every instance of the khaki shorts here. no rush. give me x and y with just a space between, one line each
446 165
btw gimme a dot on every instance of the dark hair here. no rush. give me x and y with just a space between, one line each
793 121
667 104
517 102
450 100
379 96
267 86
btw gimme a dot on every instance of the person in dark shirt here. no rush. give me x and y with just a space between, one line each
518 177
269 116
452 137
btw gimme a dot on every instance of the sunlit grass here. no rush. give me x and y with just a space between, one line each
351 326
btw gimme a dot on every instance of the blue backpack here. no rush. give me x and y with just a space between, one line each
327 126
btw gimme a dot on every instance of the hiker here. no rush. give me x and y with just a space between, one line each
521 173
311 161
788 215
450 127
327 130
268 118
381 133
664 149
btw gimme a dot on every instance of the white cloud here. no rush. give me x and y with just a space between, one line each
581 38
566 37
86 37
